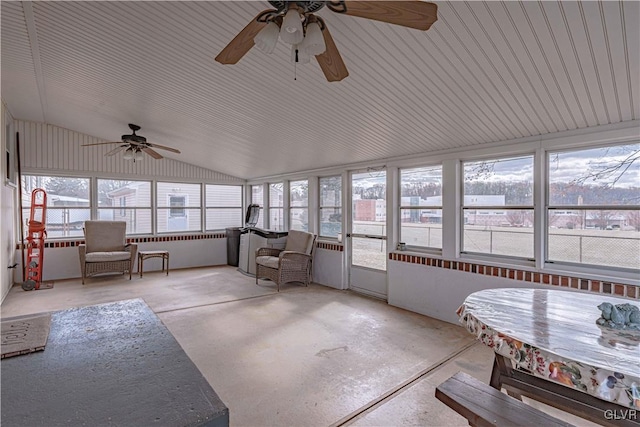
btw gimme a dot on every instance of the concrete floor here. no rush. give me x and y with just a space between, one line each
311 356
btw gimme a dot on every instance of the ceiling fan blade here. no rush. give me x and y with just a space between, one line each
162 147
413 14
102 143
243 42
152 153
330 60
116 150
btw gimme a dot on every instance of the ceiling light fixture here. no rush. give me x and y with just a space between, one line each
128 155
133 153
301 30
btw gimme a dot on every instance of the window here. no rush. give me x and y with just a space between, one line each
593 206
299 205
330 206
129 201
176 205
68 203
497 207
276 207
257 198
421 207
223 206
179 207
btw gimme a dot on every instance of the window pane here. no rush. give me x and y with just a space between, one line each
330 206
68 203
492 232
603 176
62 222
299 219
218 219
499 182
299 193
257 198
421 196
421 227
599 237
330 222
370 253
276 195
423 184
223 196
597 176
276 219
133 194
331 191
178 195
487 227
187 219
138 220
61 191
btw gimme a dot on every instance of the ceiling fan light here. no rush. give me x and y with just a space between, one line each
298 55
138 155
291 31
267 38
313 43
128 155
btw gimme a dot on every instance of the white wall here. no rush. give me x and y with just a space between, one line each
46 149
7 210
328 268
64 263
438 292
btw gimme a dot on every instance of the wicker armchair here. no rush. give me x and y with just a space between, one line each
106 249
291 264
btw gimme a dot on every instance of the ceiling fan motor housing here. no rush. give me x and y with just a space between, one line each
134 138
306 6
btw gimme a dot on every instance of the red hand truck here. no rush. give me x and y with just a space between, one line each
35 240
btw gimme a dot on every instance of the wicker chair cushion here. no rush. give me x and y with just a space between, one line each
268 261
105 236
299 241
108 256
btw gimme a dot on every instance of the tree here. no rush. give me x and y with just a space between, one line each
611 169
105 186
70 187
516 218
633 218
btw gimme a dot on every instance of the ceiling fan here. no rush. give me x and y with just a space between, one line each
296 24
134 145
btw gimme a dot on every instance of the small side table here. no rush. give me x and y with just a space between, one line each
142 255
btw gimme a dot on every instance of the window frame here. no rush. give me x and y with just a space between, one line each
229 207
280 207
401 208
124 208
304 207
50 207
339 207
524 260
187 209
580 267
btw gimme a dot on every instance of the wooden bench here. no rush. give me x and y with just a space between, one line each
483 405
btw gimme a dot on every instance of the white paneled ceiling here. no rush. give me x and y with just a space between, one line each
484 72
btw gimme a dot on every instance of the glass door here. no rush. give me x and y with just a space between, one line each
368 236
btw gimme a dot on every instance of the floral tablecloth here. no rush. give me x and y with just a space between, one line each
553 335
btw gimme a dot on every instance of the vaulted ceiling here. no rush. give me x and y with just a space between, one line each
484 72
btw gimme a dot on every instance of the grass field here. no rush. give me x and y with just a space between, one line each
614 248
